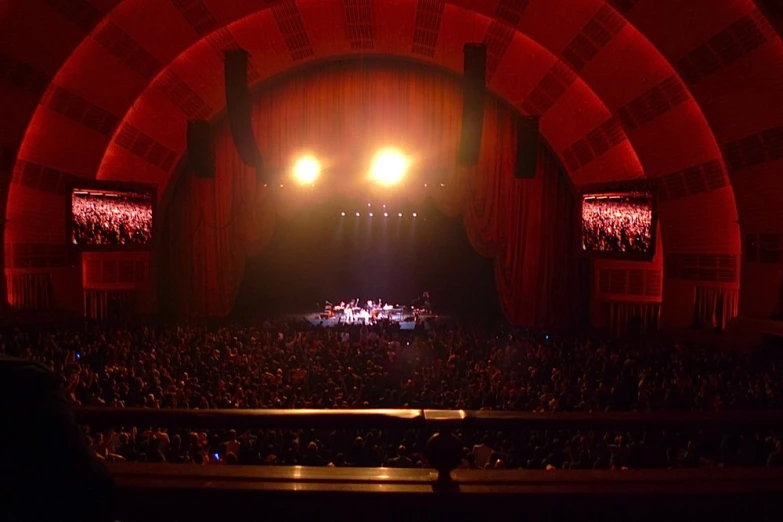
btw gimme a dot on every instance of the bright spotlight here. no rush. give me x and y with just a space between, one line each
385 214
342 214
389 167
371 214
400 214
357 214
307 170
415 215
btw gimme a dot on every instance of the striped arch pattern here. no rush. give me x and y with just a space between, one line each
689 96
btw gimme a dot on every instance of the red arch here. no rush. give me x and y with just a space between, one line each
661 135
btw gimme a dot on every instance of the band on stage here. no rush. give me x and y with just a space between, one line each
370 312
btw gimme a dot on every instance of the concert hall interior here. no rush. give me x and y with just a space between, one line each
525 236
339 134
705 249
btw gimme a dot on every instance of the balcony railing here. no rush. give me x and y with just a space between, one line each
152 491
444 452
423 419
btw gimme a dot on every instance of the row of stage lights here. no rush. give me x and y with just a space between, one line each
385 214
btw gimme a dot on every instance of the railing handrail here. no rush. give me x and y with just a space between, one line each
162 492
684 480
444 450
422 418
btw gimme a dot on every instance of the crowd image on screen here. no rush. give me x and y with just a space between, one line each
617 224
107 219
448 365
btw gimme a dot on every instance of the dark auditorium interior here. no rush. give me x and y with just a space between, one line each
391 259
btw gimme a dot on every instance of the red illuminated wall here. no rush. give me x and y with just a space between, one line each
127 272
685 92
632 282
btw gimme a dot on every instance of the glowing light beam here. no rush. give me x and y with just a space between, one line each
306 170
389 167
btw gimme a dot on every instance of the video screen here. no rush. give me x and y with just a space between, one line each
111 218
618 223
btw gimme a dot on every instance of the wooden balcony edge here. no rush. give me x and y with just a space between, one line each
210 479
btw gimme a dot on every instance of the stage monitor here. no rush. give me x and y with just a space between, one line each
619 223
106 216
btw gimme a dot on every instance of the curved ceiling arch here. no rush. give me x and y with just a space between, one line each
592 19
113 94
535 61
603 22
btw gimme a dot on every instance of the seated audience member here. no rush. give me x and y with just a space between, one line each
401 460
311 457
481 453
47 471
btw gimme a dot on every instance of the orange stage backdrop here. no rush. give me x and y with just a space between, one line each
342 114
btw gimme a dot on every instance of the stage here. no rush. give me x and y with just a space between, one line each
325 321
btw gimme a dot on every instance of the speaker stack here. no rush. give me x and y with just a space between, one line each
239 108
473 95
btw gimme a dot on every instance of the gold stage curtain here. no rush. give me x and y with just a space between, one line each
343 114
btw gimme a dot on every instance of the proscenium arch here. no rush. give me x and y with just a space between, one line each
452 59
486 7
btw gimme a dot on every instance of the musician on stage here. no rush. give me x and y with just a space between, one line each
423 302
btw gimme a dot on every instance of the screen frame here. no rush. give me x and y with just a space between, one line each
108 185
620 187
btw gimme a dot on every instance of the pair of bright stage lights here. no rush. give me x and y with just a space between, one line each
388 168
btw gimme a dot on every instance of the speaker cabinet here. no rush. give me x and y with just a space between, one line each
474 93
239 108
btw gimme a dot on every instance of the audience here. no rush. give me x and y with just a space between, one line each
101 220
47 470
616 225
295 365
